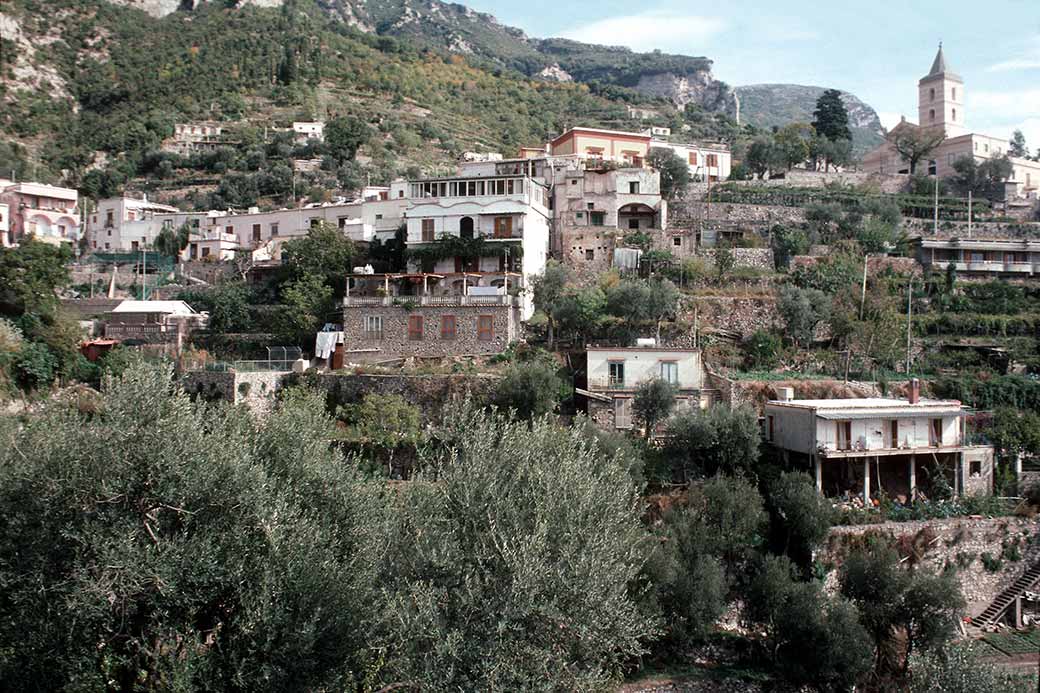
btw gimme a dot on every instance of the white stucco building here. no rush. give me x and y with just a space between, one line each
510 214
613 374
869 446
47 212
109 228
706 161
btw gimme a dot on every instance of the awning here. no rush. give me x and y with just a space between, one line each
887 413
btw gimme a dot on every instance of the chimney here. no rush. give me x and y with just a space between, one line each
915 391
784 394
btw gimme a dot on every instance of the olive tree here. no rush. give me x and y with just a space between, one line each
154 543
515 554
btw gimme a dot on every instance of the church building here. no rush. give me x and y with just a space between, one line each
941 106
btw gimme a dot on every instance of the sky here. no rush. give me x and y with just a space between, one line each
875 49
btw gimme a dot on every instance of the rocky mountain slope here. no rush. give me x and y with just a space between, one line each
769 105
679 79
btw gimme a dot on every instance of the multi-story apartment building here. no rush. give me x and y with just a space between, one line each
613 374
873 446
620 198
474 243
108 227
980 256
46 212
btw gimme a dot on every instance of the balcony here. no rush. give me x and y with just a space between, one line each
440 301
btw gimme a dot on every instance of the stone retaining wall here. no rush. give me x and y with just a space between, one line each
957 542
736 314
755 258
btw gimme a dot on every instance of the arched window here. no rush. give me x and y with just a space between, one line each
931 94
931 115
954 93
466 227
954 117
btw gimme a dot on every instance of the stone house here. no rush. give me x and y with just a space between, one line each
875 445
613 374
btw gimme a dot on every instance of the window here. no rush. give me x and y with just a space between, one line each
274 230
713 161
975 468
633 224
205 252
693 158
109 232
670 372
677 241
315 222
954 116
503 227
596 218
579 215
931 115
953 93
448 327
133 245
342 223
373 326
931 94
400 193
378 217
109 220
574 181
935 431
590 205
590 255
633 187
485 328
256 233
415 328
893 430
427 230
623 412
616 373
844 435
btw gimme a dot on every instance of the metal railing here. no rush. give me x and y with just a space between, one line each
495 300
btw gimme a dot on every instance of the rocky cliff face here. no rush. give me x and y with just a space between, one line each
769 105
698 87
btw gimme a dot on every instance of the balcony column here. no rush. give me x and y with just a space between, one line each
866 481
425 285
913 477
818 472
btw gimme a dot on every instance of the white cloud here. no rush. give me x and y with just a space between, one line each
889 119
1028 57
1011 104
1014 65
649 30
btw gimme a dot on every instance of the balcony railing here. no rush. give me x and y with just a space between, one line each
500 300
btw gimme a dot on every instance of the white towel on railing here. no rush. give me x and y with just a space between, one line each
325 343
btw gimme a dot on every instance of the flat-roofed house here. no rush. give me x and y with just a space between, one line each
980 256
629 148
613 374
879 445
153 322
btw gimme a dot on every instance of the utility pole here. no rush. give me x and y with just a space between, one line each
969 213
863 291
935 228
909 308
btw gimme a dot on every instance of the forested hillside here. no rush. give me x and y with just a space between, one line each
93 108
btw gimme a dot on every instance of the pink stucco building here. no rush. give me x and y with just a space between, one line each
44 211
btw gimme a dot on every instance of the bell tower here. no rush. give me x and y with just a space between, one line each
940 98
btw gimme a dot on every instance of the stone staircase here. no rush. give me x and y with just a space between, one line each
993 612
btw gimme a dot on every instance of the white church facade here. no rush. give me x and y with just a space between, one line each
941 105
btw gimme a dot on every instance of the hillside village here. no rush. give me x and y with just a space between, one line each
687 396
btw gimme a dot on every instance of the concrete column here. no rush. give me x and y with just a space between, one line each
818 470
866 480
913 477
1018 612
